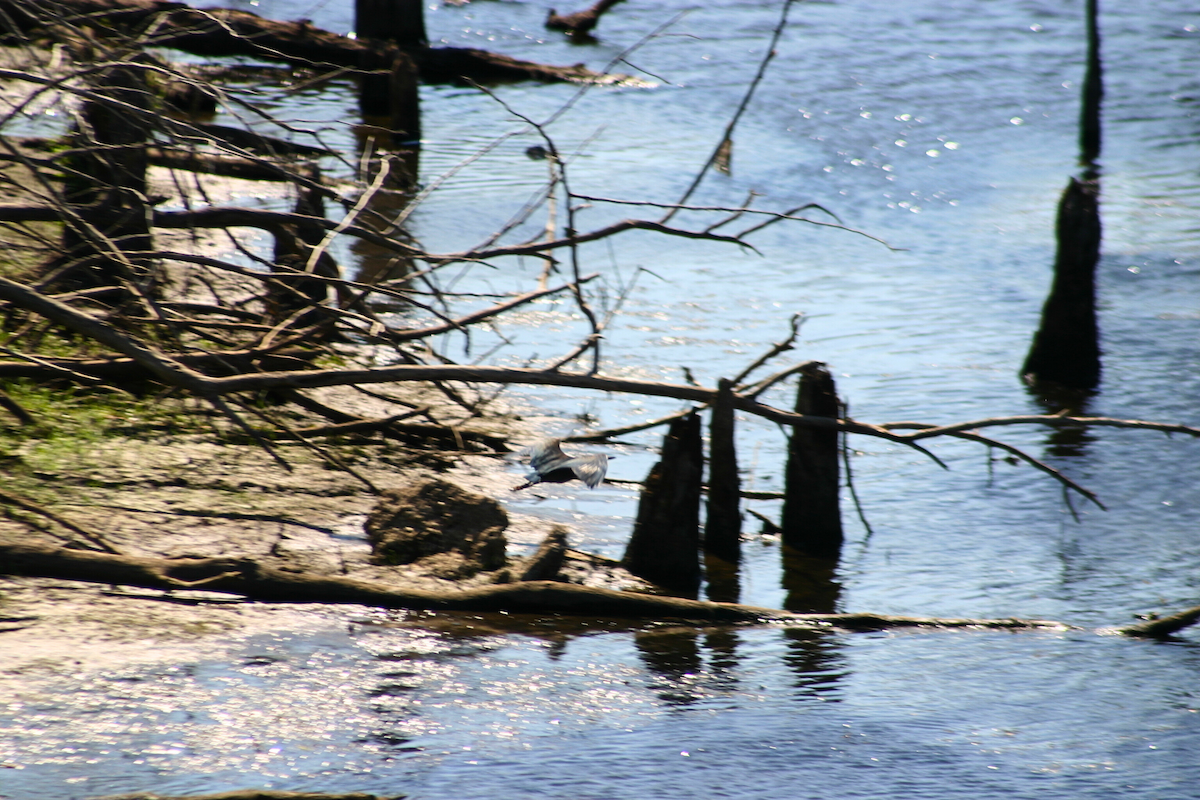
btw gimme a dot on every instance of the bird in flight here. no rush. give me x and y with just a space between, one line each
549 464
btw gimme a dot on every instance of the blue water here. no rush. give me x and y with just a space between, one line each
947 129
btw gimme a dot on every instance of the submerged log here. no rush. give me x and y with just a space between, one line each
811 521
1164 626
254 580
1066 347
664 547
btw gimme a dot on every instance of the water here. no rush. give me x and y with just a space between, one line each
946 129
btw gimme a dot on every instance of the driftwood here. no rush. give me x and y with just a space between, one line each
231 32
255 581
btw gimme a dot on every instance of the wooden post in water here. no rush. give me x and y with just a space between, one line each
1066 347
665 545
811 522
723 525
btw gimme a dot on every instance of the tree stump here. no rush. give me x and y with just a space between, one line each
811 522
1066 347
665 545
723 525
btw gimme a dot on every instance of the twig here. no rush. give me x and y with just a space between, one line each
95 538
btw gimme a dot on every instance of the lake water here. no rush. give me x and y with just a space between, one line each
947 129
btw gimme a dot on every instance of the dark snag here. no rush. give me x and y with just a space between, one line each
258 581
664 546
1066 347
812 519
1093 91
251 794
723 525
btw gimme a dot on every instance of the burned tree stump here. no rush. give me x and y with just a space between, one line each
812 520
665 545
1066 348
723 525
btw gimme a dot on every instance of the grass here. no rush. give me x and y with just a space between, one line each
71 425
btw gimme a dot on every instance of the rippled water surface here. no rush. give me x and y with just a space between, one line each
947 129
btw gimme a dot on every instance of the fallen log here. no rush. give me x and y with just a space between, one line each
219 32
256 581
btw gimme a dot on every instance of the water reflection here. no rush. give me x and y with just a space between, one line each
811 582
674 656
1065 440
816 660
724 583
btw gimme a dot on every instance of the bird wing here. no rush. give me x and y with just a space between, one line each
590 469
546 456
